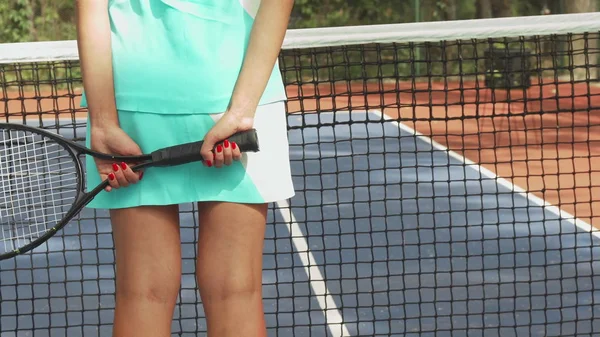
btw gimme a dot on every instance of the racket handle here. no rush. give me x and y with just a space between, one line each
247 141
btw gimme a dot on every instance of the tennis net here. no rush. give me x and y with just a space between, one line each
447 178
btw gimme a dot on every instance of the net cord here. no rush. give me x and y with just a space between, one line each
578 23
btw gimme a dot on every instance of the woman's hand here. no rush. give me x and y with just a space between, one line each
216 149
113 140
266 37
94 46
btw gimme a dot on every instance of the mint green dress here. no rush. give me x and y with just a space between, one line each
175 64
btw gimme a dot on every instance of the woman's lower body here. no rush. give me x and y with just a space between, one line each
232 203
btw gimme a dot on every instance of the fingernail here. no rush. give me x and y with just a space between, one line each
111 176
208 163
233 145
219 148
115 167
124 166
141 175
226 143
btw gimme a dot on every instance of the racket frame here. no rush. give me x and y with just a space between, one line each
174 155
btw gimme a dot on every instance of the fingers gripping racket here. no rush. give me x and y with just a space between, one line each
42 181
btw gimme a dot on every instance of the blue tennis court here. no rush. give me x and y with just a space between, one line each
390 234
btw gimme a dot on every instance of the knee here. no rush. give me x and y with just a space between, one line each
150 291
224 286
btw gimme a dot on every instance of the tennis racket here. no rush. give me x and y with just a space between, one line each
42 181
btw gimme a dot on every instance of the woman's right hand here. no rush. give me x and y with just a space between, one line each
113 140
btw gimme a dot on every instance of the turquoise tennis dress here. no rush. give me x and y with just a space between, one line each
175 65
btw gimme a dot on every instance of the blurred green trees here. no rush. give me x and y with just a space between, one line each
43 20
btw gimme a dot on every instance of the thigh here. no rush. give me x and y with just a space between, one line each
230 243
148 269
147 245
229 267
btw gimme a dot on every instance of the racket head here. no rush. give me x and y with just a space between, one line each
41 184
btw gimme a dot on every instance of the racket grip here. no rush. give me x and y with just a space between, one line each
247 141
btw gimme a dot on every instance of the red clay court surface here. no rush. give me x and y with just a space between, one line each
548 146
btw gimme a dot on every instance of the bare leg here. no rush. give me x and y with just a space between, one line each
229 269
148 260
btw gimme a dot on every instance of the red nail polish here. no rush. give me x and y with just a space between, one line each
111 176
209 163
219 148
226 143
141 175
124 166
233 145
115 167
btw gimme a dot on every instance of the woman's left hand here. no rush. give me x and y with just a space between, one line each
217 150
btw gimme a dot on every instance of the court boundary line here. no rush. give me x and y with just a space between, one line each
333 315
562 214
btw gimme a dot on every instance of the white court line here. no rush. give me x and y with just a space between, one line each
333 316
562 214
